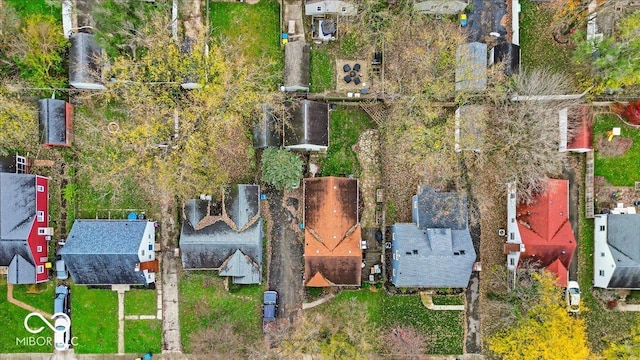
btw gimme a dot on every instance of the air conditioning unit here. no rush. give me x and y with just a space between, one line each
45 231
49 237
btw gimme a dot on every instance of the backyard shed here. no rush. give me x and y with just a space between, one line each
509 54
447 7
265 131
308 128
470 126
297 60
85 62
56 119
471 67
329 7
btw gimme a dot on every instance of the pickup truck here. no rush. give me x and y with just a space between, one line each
269 308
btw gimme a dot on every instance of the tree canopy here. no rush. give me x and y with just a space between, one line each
545 331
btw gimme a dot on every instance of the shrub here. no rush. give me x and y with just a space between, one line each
630 112
281 168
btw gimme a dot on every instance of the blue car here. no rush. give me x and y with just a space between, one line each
269 307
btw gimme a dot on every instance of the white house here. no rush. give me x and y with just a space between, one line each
616 253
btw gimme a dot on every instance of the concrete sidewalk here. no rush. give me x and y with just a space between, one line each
69 355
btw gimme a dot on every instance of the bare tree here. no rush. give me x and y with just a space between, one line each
522 144
405 343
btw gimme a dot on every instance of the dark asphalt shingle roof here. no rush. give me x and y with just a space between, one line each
103 252
207 241
623 239
17 206
53 121
433 209
309 124
104 237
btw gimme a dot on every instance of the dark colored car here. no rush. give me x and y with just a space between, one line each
269 307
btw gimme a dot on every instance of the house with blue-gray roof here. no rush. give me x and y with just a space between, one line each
435 250
225 236
109 252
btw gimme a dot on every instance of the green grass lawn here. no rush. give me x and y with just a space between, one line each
142 336
12 318
140 302
620 170
94 318
322 70
27 8
539 49
347 123
204 303
448 299
255 28
442 329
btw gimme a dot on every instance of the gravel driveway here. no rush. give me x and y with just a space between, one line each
284 214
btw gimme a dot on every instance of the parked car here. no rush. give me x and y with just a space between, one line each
61 300
61 337
61 270
269 307
572 295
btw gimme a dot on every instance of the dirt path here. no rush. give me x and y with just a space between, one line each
19 303
283 215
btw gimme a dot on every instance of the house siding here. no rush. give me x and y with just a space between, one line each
35 240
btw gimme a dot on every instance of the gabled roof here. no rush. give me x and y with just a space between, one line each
103 252
471 67
309 125
55 122
242 268
582 140
623 246
432 209
297 62
17 208
434 257
215 235
319 7
85 62
544 226
332 231
265 131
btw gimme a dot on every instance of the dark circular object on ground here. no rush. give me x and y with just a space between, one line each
353 73
346 68
347 79
356 81
356 67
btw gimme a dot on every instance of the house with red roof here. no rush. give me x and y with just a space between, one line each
541 231
332 233
24 225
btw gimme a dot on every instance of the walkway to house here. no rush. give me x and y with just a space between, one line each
19 303
317 302
170 319
121 290
427 301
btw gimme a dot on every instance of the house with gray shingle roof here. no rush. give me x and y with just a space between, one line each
616 254
436 250
24 231
108 252
225 236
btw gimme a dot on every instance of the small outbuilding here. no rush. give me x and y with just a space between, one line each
297 60
266 131
470 127
507 53
447 7
56 119
85 63
308 128
329 7
471 67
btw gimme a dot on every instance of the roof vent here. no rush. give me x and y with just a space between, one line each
408 253
415 252
461 252
456 253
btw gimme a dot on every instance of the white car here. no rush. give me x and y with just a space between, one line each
61 335
572 295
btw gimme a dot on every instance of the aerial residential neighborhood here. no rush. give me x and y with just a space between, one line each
306 179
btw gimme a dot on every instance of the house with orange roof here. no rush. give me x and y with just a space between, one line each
541 231
332 233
